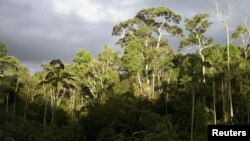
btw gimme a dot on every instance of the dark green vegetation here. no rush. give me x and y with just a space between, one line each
147 93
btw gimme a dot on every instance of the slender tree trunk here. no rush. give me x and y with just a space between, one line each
146 71
242 101
203 67
230 101
158 82
167 90
224 17
166 103
45 114
192 115
203 73
45 107
14 109
26 103
53 105
139 81
72 106
52 116
214 102
159 39
160 33
229 77
223 101
153 85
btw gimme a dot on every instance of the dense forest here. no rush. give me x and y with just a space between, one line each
147 92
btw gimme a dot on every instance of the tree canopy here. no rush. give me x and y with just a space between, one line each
146 92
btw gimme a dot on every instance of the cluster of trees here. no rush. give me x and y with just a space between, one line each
148 92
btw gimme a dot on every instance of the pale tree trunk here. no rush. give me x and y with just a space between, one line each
229 77
93 90
14 109
26 103
242 100
82 100
167 94
72 105
153 85
146 71
45 114
203 68
52 116
158 81
139 81
53 105
160 34
159 39
224 16
192 115
45 107
223 101
58 98
202 57
214 102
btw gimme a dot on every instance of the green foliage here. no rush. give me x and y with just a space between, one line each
132 58
146 23
196 27
146 93
240 30
82 61
3 50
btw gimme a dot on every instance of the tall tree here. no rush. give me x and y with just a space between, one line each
197 26
133 61
224 16
59 82
242 33
148 27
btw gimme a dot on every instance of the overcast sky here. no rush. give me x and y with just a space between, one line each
41 30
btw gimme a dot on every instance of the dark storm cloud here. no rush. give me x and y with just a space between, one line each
35 32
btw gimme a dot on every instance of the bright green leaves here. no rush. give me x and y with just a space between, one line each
132 58
83 61
10 65
97 75
108 56
149 15
197 26
118 29
240 31
146 24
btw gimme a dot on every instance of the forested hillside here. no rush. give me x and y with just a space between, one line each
147 92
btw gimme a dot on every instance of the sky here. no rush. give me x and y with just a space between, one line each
36 31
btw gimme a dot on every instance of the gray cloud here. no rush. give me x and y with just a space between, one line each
35 32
